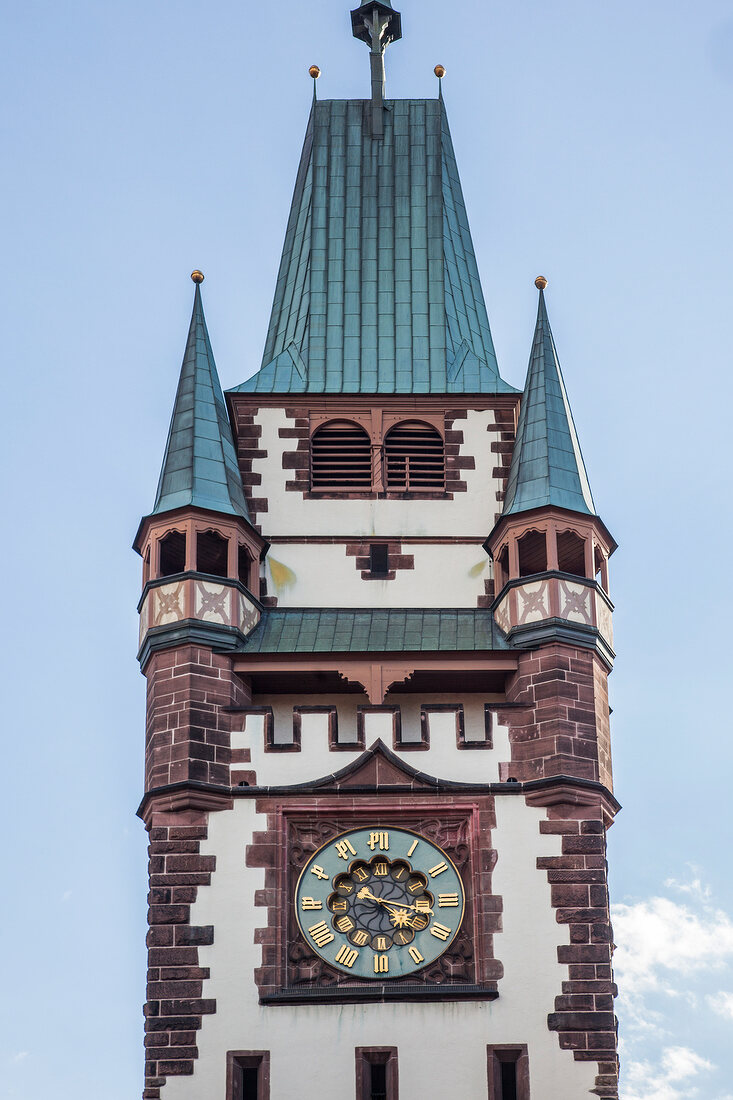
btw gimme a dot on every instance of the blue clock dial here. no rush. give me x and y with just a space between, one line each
379 903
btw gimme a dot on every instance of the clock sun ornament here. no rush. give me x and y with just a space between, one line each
378 903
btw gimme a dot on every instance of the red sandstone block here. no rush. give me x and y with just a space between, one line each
168 914
160 990
188 1007
205 863
173 956
201 935
182 1038
575 845
576 1002
175 1069
569 827
580 1021
573 1040
169 1023
576 876
569 894
184 973
202 878
579 953
589 916
579 933
159 937
599 895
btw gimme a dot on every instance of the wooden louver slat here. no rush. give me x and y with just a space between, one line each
341 457
415 457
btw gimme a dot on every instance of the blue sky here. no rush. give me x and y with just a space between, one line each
146 138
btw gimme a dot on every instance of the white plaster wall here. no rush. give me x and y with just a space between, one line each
442 1047
321 575
443 759
469 513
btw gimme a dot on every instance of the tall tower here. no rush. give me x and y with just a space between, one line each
376 631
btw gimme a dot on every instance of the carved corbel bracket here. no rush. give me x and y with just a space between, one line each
376 678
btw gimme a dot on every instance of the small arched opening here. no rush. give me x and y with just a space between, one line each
212 554
172 553
571 553
532 551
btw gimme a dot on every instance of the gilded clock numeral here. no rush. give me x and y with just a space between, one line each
415 886
310 903
318 872
381 964
347 956
415 955
422 905
399 873
403 937
344 924
321 933
380 840
361 938
347 887
381 944
339 905
440 931
419 921
438 869
360 874
344 848
413 846
381 870
447 900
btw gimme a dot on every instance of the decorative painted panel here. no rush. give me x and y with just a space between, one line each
575 602
210 601
533 602
604 618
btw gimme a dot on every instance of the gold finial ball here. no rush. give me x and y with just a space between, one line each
439 71
540 282
314 71
197 276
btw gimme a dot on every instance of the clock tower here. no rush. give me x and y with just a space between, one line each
376 631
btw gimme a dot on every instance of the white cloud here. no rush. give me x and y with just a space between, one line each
669 1079
660 939
19 1057
722 1003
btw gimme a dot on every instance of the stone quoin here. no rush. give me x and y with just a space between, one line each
369 558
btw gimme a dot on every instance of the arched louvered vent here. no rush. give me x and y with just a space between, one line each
414 456
341 457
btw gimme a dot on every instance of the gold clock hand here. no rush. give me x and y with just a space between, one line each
365 892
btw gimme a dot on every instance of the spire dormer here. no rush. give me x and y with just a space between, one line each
201 553
550 548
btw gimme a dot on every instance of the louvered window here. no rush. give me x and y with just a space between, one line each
414 457
341 458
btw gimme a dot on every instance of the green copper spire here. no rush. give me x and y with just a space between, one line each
200 465
547 466
378 289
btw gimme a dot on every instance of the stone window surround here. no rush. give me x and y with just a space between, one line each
377 422
248 1059
370 1056
498 1053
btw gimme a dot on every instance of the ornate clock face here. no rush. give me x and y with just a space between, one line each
379 903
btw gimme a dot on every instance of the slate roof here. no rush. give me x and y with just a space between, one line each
299 630
200 464
378 289
547 465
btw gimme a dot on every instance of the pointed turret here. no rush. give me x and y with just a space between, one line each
547 465
200 464
201 552
550 548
